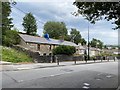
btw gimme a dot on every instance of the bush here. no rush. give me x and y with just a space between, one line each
65 50
12 55
11 38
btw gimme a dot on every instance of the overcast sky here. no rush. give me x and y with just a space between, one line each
54 10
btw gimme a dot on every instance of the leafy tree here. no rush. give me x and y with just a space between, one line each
75 36
64 50
6 20
67 38
29 24
55 29
105 47
98 10
11 38
83 42
96 43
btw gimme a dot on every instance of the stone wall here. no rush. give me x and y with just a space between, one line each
69 58
48 58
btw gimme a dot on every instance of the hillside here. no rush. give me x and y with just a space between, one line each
12 55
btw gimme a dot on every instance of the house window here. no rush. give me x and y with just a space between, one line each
38 47
50 47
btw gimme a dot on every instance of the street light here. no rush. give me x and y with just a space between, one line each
88 42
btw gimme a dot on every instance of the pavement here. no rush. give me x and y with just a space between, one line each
8 66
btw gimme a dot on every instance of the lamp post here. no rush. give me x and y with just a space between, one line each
88 43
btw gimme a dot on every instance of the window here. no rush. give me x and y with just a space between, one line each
50 47
38 47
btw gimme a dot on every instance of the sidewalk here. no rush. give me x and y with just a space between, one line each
7 66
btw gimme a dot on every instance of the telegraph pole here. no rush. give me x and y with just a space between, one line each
88 43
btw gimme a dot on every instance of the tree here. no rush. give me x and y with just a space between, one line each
67 38
64 50
96 43
98 10
55 29
11 38
75 36
29 24
83 42
6 20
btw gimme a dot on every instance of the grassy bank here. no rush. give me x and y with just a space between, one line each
12 55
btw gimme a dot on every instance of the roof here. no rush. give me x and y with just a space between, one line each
41 40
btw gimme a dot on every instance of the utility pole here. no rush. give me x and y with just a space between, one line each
88 43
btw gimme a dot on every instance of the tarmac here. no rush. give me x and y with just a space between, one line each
8 66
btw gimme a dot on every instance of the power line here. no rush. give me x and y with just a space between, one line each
26 13
13 3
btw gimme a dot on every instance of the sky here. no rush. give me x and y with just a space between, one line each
60 10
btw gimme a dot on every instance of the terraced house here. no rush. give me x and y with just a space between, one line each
40 44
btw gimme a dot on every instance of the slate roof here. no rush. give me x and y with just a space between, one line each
41 40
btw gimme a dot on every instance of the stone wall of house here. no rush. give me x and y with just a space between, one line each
44 49
32 46
23 43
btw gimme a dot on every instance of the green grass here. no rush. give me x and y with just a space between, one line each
15 56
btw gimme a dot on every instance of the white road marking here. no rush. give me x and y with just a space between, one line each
85 87
109 76
20 81
86 84
98 79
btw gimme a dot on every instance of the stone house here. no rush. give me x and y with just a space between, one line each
111 51
40 44
92 51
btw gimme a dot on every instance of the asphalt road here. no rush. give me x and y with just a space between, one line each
96 75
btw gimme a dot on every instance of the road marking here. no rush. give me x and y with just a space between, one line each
86 84
20 81
108 76
98 79
85 87
23 68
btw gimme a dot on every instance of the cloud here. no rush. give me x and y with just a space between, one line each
61 10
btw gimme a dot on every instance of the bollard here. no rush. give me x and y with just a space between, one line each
114 58
75 61
57 60
51 60
108 59
101 59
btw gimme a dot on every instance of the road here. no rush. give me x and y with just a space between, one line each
95 75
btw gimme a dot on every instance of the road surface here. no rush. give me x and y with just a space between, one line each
95 75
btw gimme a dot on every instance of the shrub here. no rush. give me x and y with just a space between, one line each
66 50
11 38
